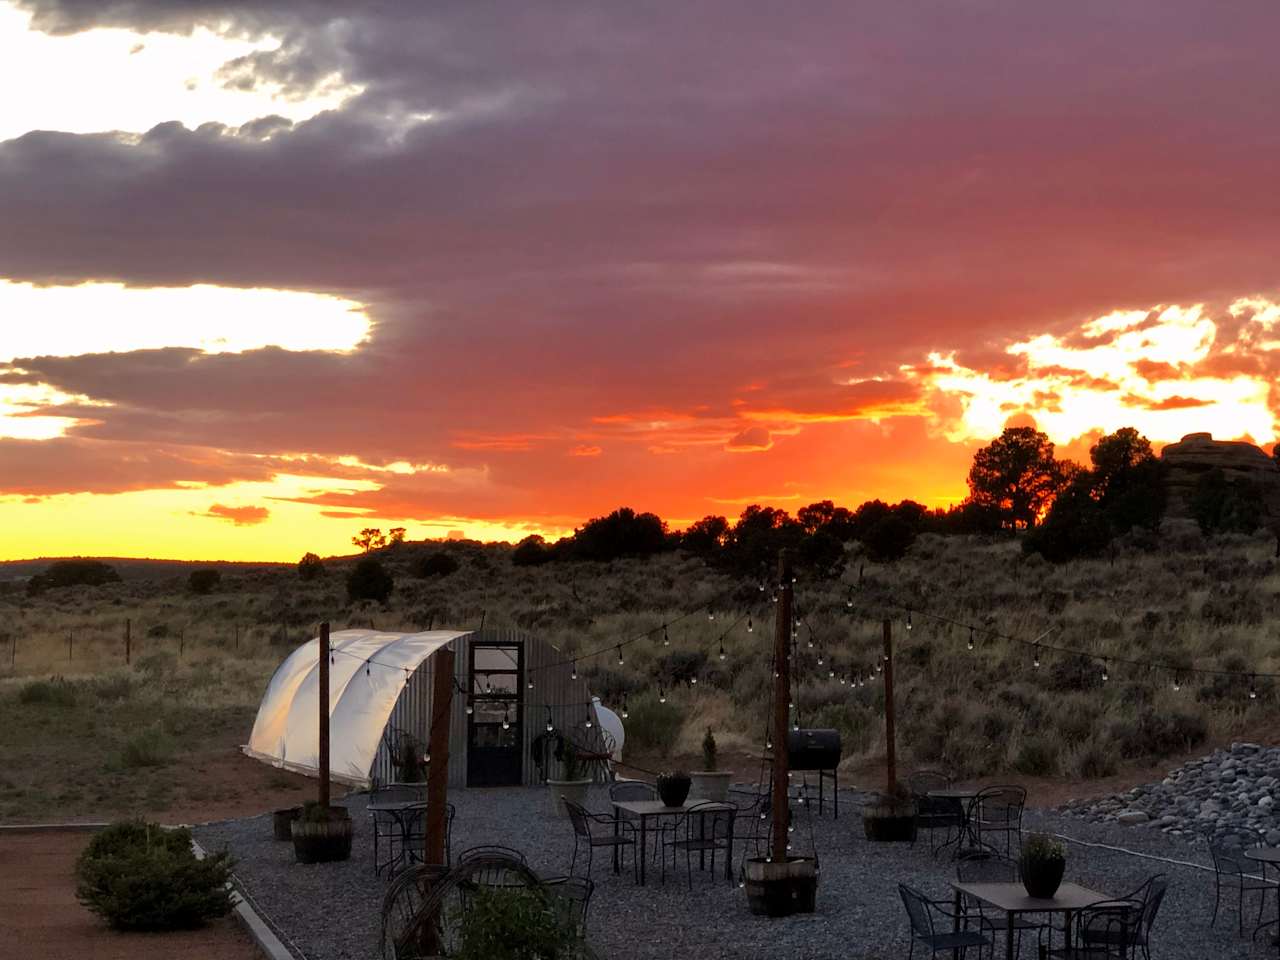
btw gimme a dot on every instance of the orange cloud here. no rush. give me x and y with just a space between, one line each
240 516
586 450
750 440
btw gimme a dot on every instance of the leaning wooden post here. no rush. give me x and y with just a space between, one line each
438 752
890 749
781 701
323 699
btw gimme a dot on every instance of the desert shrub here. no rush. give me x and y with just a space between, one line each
1074 671
438 564
52 693
204 582
1037 757
158 631
653 726
139 876
369 580
160 663
516 925
310 567
608 684
1096 759
149 747
114 686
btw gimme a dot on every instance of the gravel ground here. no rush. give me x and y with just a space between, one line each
331 911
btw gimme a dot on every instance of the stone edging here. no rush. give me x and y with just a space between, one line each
263 935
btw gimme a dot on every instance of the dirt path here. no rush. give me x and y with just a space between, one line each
40 918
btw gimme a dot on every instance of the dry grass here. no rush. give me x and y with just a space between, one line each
981 713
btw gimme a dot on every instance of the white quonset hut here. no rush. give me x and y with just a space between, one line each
514 685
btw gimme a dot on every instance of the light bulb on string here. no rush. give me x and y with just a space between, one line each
722 653
1177 685
710 614
506 718
971 638
587 723
908 619
1105 675
1035 657
750 626
693 680
531 683
662 695
819 658
470 708
620 655
624 708
1253 687
666 640
574 674
849 603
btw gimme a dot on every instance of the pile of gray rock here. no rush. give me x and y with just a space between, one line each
1230 796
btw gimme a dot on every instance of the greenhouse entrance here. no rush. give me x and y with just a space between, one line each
495 726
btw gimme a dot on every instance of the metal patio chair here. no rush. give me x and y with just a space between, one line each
940 937
1233 872
998 810
983 867
591 830
707 827
935 813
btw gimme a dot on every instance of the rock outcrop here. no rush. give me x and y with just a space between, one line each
1198 453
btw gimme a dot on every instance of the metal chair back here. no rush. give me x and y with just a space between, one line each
624 790
490 850
577 817
917 911
923 781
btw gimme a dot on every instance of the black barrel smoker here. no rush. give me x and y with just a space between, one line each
817 750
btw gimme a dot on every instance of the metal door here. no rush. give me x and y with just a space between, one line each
494 724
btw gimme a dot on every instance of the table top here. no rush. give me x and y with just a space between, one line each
1263 854
954 793
652 808
394 806
1012 897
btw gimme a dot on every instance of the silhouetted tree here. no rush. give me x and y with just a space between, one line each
1128 481
438 564
1220 506
623 533
822 554
370 539
705 537
867 516
1017 475
204 581
73 573
369 580
396 536
310 567
825 517
757 537
1076 525
532 551
889 538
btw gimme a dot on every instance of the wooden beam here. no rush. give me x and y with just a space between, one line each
323 699
781 700
438 751
890 747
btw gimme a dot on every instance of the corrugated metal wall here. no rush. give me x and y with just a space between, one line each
553 688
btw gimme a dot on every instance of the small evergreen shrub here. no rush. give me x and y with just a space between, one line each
438 564
53 693
139 876
527 924
150 747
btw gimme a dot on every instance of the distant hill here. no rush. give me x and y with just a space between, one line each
132 568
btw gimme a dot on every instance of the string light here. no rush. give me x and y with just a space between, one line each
619 654
574 674
662 694
710 614
971 638
624 707
1105 675
722 653
506 718
470 708
550 726
693 680
1253 687
849 603
531 683
1177 685
908 619
666 640
1035 657
750 627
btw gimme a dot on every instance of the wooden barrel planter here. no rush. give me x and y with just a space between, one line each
282 822
779 888
890 819
323 841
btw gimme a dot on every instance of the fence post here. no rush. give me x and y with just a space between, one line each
71 639
128 640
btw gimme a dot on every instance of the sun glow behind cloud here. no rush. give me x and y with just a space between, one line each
114 79
1164 372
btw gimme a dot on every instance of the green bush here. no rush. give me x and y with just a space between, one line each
139 876
204 582
1037 757
53 693
369 580
1096 759
151 747
438 564
528 924
653 726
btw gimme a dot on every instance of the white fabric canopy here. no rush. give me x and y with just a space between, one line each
286 731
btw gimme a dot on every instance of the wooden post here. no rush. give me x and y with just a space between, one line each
71 639
438 751
890 749
128 640
182 642
324 714
237 638
781 700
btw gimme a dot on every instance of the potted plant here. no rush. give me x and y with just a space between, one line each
571 786
322 833
890 816
710 783
1043 860
673 787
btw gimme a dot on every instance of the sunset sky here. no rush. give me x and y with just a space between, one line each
272 272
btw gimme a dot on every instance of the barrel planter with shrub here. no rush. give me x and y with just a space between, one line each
890 818
322 834
779 888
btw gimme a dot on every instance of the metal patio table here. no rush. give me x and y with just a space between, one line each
1012 899
1268 857
644 810
404 813
964 797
